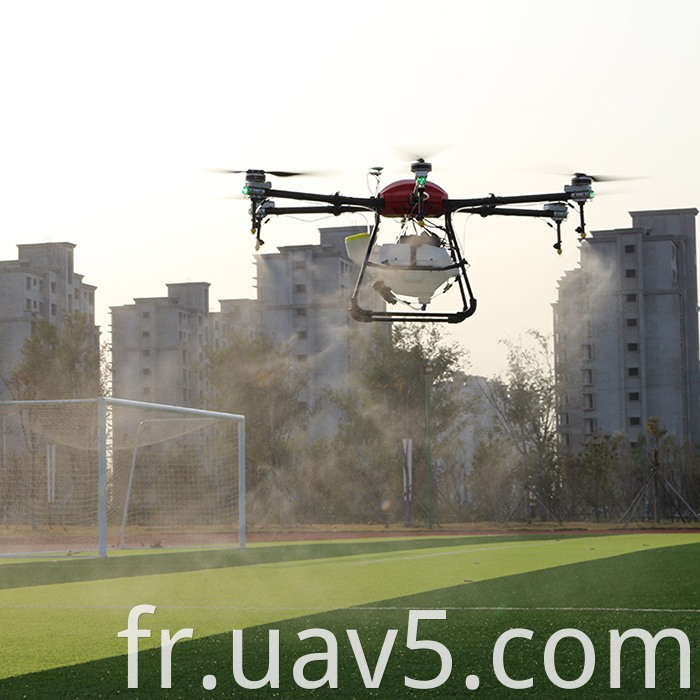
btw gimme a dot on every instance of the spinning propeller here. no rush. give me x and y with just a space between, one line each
279 173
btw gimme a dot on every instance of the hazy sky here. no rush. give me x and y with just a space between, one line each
111 111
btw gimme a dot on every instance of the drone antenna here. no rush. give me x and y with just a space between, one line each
376 173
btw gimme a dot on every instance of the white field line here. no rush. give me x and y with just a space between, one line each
467 608
459 551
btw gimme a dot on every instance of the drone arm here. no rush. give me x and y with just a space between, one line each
331 210
262 205
493 201
492 211
337 200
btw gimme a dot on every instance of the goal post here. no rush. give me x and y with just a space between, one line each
162 474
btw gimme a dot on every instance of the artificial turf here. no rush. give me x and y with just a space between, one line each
604 586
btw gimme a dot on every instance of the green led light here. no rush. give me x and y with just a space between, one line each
591 195
421 180
245 190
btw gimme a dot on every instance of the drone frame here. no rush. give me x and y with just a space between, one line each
261 195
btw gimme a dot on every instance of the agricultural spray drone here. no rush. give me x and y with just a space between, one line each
425 259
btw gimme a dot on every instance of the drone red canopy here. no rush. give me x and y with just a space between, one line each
398 199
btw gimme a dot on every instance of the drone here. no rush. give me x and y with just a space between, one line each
425 259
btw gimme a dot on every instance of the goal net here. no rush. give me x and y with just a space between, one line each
100 474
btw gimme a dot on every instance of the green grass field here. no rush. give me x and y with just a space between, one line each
61 616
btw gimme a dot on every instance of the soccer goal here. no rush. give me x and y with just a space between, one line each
99 474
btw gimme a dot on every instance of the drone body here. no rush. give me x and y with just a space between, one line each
398 204
425 259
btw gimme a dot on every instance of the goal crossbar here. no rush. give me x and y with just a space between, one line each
102 404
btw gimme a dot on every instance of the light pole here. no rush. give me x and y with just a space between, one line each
428 372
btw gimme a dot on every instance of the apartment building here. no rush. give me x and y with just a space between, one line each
626 331
302 299
40 284
305 292
159 344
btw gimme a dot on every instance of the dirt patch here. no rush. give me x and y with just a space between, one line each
19 542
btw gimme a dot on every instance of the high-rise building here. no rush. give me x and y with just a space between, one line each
40 284
159 344
303 292
626 331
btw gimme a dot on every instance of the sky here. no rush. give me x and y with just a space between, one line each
113 114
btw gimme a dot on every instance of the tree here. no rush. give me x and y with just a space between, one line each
386 403
55 363
599 462
492 480
254 377
524 404
59 363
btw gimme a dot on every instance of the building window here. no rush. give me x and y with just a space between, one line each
29 304
301 335
29 282
635 420
633 371
588 401
146 370
53 287
588 376
630 272
589 426
300 265
300 312
300 288
145 353
633 396
632 347
587 351
631 297
53 309
631 322
145 334
563 419
145 314
629 249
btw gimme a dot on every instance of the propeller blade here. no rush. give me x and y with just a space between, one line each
564 170
605 178
223 171
281 173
